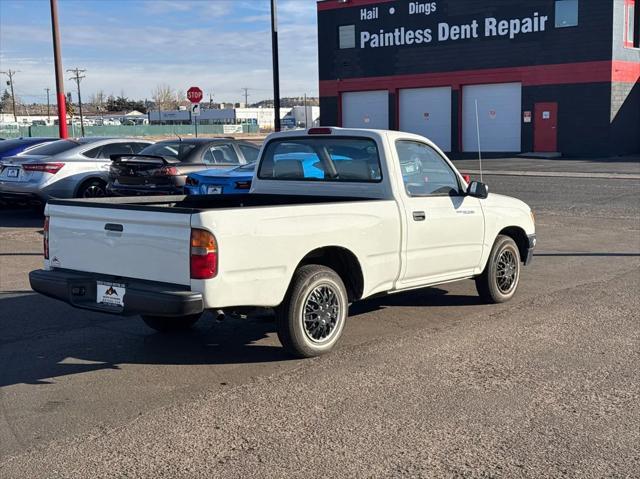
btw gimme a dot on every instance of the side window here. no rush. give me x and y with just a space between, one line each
115 149
631 27
250 153
93 153
424 171
221 154
346 36
566 13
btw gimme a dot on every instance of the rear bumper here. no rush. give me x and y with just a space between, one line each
532 244
21 190
141 297
18 196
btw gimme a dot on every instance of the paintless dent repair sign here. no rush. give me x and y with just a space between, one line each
403 15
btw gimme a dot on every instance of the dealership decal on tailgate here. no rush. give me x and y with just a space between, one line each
110 293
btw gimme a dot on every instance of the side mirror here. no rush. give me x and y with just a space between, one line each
478 190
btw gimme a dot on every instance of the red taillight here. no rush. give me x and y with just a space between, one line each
52 168
204 254
243 185
319 131
45 237
466 178
167 171
191 181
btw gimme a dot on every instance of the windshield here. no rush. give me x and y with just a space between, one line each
178 150
53 148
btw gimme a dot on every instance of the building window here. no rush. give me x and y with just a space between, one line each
566 13
347 36
631 27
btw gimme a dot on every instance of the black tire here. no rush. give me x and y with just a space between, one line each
171 324
318 331
499 280
93 188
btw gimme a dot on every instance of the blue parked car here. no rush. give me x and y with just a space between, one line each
15 146
233 181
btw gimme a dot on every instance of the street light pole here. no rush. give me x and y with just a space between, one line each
276 69
62 107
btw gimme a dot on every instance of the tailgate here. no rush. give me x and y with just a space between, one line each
121 242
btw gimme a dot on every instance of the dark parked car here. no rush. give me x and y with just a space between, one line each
15 146
162 168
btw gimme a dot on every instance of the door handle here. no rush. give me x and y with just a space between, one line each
419 216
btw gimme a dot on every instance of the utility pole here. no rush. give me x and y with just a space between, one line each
306 121
48 106
57 56
77 77
276 68
246 96
10 74
210 100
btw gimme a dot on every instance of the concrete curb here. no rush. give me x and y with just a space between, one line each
560 174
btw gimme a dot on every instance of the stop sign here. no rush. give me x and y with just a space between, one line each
194 94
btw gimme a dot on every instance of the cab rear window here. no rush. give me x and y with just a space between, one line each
335 159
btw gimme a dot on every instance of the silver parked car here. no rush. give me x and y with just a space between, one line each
72 168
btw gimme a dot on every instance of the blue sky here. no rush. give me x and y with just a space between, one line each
131 46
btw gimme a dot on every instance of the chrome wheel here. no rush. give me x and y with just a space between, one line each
506 271
321 314
94 190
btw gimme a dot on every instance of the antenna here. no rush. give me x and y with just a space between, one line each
478 132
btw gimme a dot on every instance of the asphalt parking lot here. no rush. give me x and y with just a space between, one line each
424 384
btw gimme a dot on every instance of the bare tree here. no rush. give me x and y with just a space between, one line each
164 97
181 99
97 100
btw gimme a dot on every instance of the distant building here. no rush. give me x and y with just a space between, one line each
183 117
263 117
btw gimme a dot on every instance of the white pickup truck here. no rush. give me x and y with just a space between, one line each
333 216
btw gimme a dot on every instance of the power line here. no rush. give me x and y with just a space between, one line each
10 74
77 77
